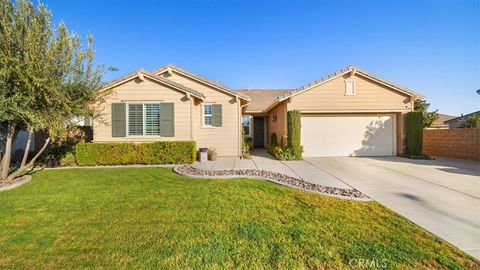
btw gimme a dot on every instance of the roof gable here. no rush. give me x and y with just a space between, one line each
141 74
341 72
173 68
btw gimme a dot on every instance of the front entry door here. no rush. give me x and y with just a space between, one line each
258 132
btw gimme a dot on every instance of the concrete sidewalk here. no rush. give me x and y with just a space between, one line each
261 160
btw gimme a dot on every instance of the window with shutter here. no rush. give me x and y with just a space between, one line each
216 115
167 120
119 127
152 119
135 119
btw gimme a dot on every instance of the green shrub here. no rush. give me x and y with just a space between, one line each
247 146
275 151
68 159
165 152
60 155
414 125
281 153
473 121
291 152
273 139
293 129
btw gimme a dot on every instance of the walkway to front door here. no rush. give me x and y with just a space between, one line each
261 160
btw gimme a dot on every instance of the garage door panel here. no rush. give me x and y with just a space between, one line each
348 135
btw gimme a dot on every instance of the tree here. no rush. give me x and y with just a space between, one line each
46 77
294 134
473 121
421 105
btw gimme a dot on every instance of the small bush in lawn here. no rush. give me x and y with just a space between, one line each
164 152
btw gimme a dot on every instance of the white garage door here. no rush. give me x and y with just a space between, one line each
371 135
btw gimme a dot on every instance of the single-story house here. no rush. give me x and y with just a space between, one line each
440 122
347 113
460 121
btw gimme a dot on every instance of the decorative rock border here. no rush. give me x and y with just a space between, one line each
18 182
275 177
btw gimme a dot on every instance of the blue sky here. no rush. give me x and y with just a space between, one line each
432 47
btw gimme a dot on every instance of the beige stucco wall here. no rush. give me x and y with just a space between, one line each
142 91
370 97
188 114
225 139
280 126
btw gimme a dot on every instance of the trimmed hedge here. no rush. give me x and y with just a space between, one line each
414 125
165 152
293 129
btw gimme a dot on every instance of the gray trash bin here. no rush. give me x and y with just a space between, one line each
203 154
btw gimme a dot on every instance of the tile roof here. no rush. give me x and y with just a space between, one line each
441 119
200 78
341 72
260 99
462 117
154 77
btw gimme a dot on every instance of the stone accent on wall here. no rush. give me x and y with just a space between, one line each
463 143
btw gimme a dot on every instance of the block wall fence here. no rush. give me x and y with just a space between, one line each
463 143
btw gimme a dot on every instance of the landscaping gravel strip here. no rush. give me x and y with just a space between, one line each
279 178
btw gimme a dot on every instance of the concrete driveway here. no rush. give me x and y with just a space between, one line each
442 196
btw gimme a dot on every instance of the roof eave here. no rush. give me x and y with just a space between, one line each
347 70
461 117
132 75
198 78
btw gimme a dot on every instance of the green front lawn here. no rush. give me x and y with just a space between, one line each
153 218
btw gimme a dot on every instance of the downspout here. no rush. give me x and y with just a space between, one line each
192 118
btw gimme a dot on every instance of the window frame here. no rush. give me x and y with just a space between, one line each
145 119
249 125
354 90
127 120
204 115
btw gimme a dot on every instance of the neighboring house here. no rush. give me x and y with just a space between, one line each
347 113
461 120
440 122
18 146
